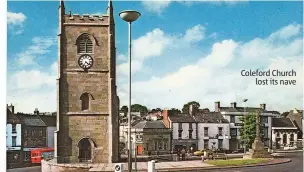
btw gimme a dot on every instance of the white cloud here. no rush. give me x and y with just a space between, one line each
15 18
197 33
150 45
156 6
30 89
34 87
15 22
54 67
39 47
156 42
31 79
286 32
122 58
217 76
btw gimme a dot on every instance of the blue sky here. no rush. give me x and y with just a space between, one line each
182 52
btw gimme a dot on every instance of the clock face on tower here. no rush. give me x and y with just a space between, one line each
85 61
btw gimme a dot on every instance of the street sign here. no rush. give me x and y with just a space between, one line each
118 167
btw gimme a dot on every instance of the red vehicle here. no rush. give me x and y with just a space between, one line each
42 153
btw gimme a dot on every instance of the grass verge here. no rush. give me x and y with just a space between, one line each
237 162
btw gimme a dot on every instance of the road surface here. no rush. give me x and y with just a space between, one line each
296 165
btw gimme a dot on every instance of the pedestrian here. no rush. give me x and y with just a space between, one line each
183 154
178 154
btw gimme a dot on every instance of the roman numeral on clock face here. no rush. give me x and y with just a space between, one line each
85 61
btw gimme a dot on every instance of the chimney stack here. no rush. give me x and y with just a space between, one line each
217 106
36 112
165 118
263 106
233 104
191 110
11 108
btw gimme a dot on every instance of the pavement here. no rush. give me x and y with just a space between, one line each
180 166
288 151
296 165
26 169
143 166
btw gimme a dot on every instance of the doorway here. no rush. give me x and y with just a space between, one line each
85 150
139 149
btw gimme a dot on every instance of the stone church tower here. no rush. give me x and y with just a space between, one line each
87 102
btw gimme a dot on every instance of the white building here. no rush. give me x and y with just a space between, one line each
13 139
213 131
183 128
199 129
284 133
13 136
233 115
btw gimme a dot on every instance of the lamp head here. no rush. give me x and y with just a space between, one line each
129 15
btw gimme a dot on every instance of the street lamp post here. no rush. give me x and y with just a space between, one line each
129 16
245 100
135 148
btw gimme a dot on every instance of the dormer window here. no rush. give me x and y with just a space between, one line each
84 44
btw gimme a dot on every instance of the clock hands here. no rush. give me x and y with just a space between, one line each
85 62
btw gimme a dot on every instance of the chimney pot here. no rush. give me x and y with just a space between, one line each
233 104
191 109
263 106
217 106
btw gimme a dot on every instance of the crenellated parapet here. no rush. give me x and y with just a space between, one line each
86 19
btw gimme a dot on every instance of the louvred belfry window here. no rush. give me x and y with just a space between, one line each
85 44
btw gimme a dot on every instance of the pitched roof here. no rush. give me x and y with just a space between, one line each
210 117
150 125
49 121
284 114
11 118
296 118
31 120
282 122
180 118
241 109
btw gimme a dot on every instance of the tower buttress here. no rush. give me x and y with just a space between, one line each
61 12
110 12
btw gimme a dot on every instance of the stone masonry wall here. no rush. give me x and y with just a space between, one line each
49 167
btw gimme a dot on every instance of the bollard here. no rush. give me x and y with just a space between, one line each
151 166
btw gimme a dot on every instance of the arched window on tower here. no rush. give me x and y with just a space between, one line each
85 101
84 44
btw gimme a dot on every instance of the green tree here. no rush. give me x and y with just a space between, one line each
139 108
124 109
156 110
186 106
248 130
175 111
